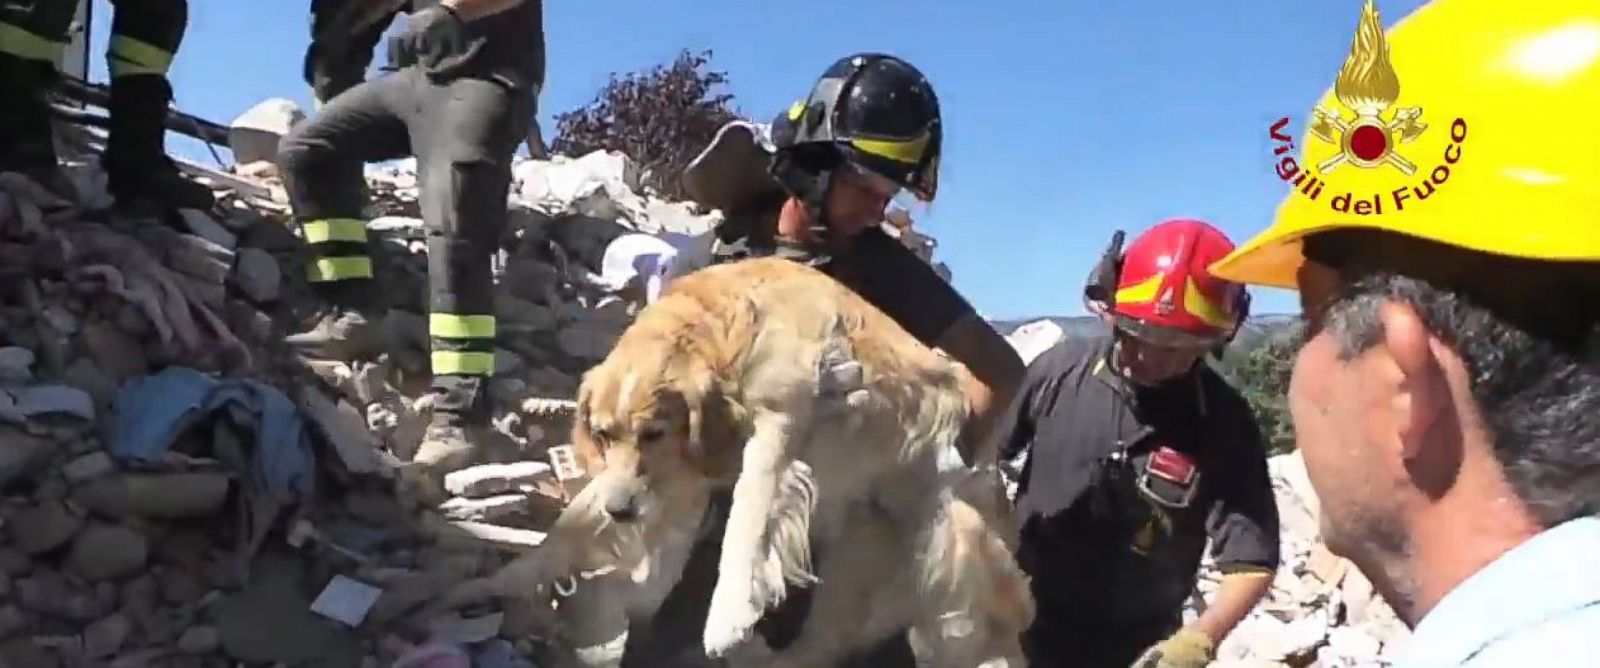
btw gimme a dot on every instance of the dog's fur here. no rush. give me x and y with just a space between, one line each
830 422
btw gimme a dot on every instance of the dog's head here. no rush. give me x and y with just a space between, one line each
655 429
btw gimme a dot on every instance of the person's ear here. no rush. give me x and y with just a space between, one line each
1421 400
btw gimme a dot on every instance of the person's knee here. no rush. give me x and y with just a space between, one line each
298 151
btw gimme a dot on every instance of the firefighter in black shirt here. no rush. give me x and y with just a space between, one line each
867 134
462 91
1135 453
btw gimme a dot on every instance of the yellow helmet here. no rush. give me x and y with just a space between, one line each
1474 123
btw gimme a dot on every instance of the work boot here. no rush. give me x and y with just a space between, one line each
346 329
144 181
27 141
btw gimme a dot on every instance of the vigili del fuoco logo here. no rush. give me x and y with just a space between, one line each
1370 132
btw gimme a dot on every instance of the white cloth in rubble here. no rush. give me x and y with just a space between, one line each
652 257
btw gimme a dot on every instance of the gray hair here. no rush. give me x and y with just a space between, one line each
1533 357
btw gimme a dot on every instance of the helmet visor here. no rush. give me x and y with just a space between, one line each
1166 337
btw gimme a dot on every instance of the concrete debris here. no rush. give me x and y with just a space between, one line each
1320 611
182 553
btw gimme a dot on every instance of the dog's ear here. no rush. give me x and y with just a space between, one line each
583 444
714 435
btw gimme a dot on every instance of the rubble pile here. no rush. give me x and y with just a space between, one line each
1321 610
176 489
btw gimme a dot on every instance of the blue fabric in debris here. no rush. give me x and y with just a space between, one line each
151 411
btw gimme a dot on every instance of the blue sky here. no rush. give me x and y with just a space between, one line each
1064 119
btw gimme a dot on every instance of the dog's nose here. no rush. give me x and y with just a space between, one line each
623 506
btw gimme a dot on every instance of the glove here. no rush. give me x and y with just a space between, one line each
1188 648
430 36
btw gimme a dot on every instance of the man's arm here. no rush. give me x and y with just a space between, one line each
1244 531
994 372
472 10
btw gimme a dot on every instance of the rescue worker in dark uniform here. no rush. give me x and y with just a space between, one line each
343 36
459 98
868 132
144 36
1136 453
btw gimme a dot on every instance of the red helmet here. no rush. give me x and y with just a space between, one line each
1165 294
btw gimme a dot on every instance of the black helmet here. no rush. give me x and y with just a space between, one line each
875 111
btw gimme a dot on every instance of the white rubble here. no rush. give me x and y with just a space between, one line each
1321 611
1034 338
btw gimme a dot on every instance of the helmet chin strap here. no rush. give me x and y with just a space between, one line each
811 187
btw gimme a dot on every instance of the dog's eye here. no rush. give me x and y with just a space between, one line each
601 436
651 434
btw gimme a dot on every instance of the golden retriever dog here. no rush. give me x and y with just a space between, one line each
836 430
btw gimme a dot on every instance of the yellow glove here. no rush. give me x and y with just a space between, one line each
1188 648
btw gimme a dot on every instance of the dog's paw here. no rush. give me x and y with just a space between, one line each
729 621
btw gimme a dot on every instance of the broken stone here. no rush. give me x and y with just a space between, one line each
44 527
200 640
255 134
491 479
257 275
92 465
155 495
497 509
104 637
585 343
206 227
108 552
16 365
112 350
271 621
21 455
26 653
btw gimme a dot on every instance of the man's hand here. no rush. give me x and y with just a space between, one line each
430 36
1188 648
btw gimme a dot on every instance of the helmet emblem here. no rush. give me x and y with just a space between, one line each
1367 86
1165 304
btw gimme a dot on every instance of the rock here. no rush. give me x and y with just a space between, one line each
16 365
270 620
491 479
108 552
85 375
21 456
44 527
62 320
200 640
13 620
587 343
116 353
14 562
255 134
49 593
496 509
167 496
206 227
200 264
104 637
257 274
26 653
92 465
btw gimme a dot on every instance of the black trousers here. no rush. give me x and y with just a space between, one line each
343 36
674 635
463 132
144 33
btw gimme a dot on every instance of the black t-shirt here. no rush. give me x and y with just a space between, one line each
1098 548
874 265
507 46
